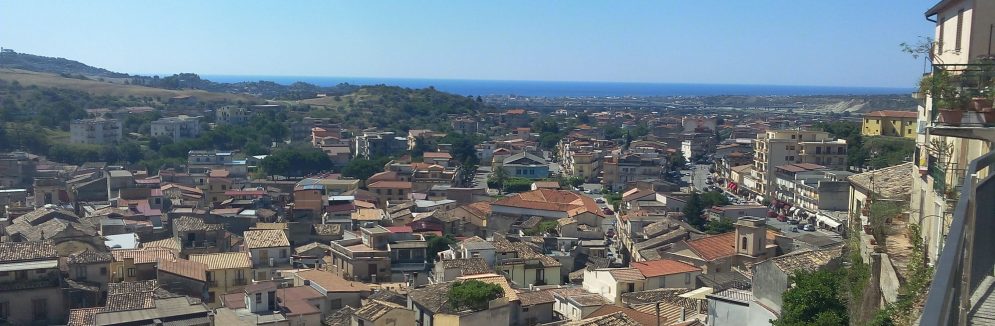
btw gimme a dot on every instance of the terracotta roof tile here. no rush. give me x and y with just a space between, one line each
265 239
331 282
83 316
714 247
21 251
626 274
467 266
144 255
552 200
223 260
185 268
639 317
663 267
89 257
374 309
390 184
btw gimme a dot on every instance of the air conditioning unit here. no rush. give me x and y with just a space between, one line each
272 262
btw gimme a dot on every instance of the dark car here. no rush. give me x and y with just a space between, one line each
607 211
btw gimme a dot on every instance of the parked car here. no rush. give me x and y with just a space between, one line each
794 221
599 200
607 211
794 229
809 227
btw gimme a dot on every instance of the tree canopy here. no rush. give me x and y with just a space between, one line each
362 169
473 294
815 299
296 161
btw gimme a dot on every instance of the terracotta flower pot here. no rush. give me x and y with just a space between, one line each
979 103
951 117
987 114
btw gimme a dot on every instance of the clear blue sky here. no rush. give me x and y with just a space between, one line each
838 42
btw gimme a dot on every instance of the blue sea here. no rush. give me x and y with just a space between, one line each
572 89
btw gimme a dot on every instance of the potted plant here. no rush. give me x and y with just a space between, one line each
939 85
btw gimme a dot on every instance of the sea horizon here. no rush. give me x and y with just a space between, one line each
470 87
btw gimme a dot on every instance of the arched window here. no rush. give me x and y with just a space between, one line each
744 243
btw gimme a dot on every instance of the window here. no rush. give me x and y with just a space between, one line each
335 304
687 278
744 244
632 287
960 30
361 322
4 310
40 309
818 150
259 298
283 253
131 272
81 272
939 41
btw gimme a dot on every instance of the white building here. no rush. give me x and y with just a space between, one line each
97 131
177 128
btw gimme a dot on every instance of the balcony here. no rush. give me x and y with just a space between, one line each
953 85
961 290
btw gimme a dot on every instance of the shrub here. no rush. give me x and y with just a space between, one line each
473 294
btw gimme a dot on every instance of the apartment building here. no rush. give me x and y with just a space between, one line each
774 148
630 167
373 144
177 128
231 115
97 131
890 123
951 197
946 148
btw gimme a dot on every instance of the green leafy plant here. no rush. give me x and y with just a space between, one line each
473 295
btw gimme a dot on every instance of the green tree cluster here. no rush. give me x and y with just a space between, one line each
296 161
695 208
362 169
543 227
815 299
437 244
473 294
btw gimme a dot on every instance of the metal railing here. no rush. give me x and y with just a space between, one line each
966 258
966 80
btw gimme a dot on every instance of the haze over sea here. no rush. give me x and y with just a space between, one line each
571 88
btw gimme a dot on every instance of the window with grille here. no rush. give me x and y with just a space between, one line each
960 29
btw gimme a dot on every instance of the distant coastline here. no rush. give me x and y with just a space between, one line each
573 89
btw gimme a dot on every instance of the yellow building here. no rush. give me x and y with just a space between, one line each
890 123
227 272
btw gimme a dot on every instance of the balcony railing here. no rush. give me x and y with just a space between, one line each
964 271
964 81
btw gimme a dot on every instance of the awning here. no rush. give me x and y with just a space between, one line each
827 221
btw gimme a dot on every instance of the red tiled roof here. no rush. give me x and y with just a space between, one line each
641 318
515 111
399 229
893 114
391 184
714 247
552 200
185 268
437 155
654 268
